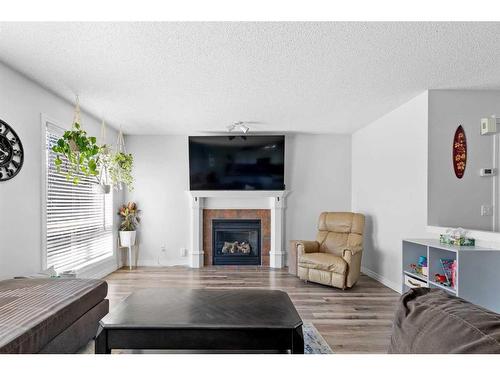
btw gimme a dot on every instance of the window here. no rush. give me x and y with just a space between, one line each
79 218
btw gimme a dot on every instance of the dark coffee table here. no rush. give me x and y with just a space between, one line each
200 319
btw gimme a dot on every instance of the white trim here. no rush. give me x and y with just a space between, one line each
388 283
495 193
43 192
238 193
196 229
153 263
44 119
276 254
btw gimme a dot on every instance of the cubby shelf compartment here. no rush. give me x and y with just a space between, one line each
416 275
478 275
441 286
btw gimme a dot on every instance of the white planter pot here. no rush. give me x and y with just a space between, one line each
127 238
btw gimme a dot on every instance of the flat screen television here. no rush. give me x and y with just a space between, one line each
237 162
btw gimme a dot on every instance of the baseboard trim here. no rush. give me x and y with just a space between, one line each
388 283
154 263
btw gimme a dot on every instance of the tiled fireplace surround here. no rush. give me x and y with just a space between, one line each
268 206
265 227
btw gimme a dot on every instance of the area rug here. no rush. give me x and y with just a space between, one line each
314 343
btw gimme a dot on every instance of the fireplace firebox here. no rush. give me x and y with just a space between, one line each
236 242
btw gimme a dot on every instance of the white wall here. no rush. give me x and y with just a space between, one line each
318 174
319 178
161 182
389 185
21 104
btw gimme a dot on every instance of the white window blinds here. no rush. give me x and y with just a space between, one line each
79 218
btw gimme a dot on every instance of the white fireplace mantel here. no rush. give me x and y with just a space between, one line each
238 199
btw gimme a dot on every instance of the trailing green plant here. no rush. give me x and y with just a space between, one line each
121 169
104 163
80 152
130 217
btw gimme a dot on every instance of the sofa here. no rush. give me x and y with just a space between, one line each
433 321
50 315
334 258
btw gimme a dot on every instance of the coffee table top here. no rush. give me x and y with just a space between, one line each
202 308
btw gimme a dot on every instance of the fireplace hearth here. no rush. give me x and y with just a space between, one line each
236 242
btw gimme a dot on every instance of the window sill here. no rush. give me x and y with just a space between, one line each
98 269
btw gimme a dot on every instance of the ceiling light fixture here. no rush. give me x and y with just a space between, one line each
238 125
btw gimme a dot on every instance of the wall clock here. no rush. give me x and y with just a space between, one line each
11 152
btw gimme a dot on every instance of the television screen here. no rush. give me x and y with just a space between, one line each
237 162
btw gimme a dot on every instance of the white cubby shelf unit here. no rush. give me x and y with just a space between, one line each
478 270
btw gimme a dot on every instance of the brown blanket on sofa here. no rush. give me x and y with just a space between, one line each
35 311
432 321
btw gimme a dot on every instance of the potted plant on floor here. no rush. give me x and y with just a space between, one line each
130 220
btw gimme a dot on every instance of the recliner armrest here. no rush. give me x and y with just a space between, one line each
351 251
304 247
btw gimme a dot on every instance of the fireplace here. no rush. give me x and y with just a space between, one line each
236 242
266 206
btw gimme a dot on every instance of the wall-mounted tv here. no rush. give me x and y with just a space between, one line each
237 162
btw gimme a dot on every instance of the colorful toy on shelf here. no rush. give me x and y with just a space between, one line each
415 269
446 265
422 263
421 267
441 279
454 274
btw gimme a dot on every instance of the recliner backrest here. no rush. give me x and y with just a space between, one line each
340 230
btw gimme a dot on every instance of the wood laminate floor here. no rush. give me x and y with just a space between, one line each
357 320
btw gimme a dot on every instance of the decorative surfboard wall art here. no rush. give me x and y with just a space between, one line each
459 152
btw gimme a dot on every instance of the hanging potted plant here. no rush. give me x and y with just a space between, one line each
129 215
104 163
121 170
78 151
121 165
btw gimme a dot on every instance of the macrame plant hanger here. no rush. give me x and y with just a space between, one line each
105 161
76 117
120 148
76 120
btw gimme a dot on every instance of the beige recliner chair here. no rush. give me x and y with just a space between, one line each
335 257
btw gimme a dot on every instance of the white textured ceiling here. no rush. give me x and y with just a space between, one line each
163 78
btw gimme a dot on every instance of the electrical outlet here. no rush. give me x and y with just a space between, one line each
183 252
163 248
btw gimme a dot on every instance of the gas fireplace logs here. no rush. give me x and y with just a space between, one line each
236 248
